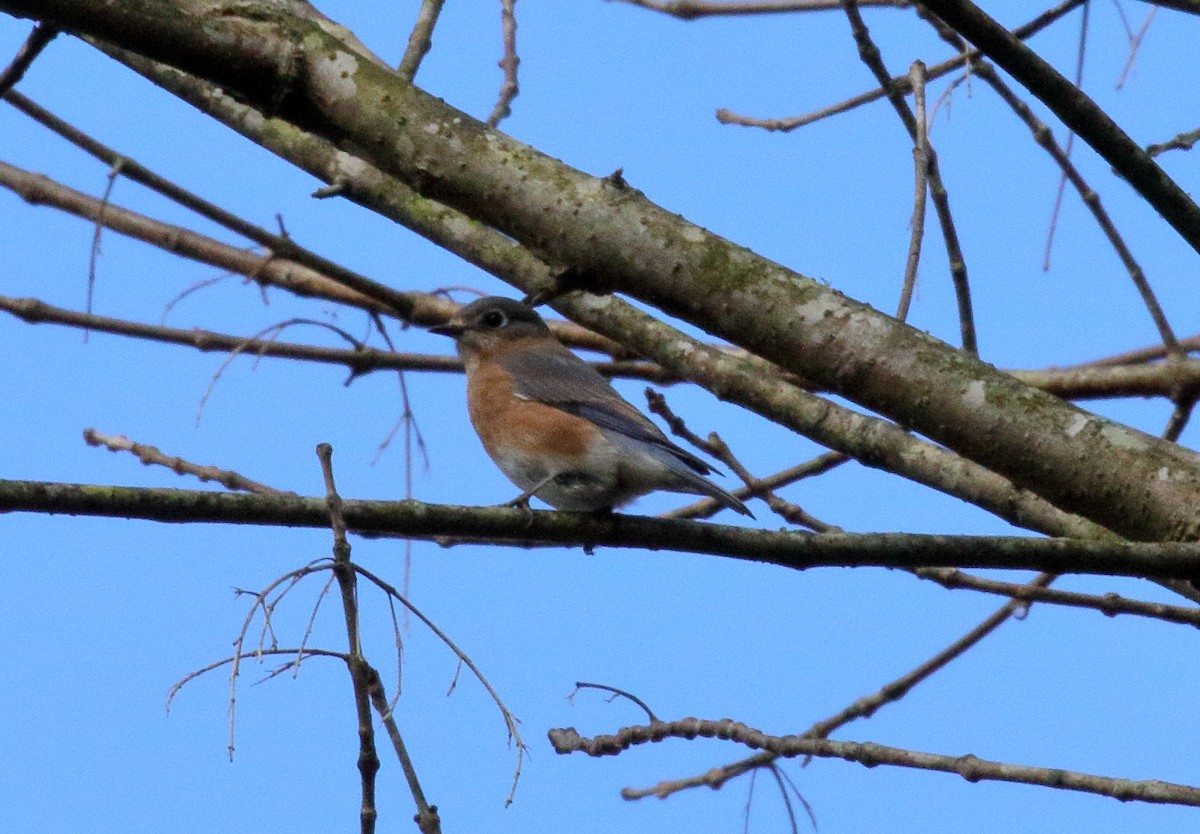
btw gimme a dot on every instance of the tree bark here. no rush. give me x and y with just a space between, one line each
604 235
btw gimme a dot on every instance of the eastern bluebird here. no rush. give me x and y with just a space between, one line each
554 425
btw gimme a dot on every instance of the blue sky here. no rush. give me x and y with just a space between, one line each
101 617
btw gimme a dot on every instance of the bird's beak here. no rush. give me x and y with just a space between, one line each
452 328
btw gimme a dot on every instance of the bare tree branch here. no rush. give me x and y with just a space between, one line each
900 83
693 9
1077 111
793 550
38 39
1081 463
870 754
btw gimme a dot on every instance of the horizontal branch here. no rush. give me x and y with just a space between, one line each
1163 379
800 551
357 360
1110 604
869 754
694 9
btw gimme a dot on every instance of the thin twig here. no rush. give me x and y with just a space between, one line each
1062 156
511 722
510 88
900 82
94 253
420 40
916 74
1078 112
715 446
707 507
151 455
257 654
1080 52
870 55
290 579
279 327
359 360
693 9
615 694
1109 604
1182 142
1135 42
343 570
866 706
38 39
406 305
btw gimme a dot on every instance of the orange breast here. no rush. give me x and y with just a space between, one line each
508 424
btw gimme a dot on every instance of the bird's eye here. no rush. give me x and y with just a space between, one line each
494 319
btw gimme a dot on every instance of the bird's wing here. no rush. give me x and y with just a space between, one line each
561 379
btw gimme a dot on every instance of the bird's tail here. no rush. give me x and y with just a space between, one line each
699 485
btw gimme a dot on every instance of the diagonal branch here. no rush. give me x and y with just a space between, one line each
1077 111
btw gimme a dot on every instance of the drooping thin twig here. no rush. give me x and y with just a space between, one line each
916 75
1062 156
257 654
276 328
412 431
786 785
511 722
262 602
1080 52
94 253
870 55
617 693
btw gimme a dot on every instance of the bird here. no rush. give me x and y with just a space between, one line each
554 426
